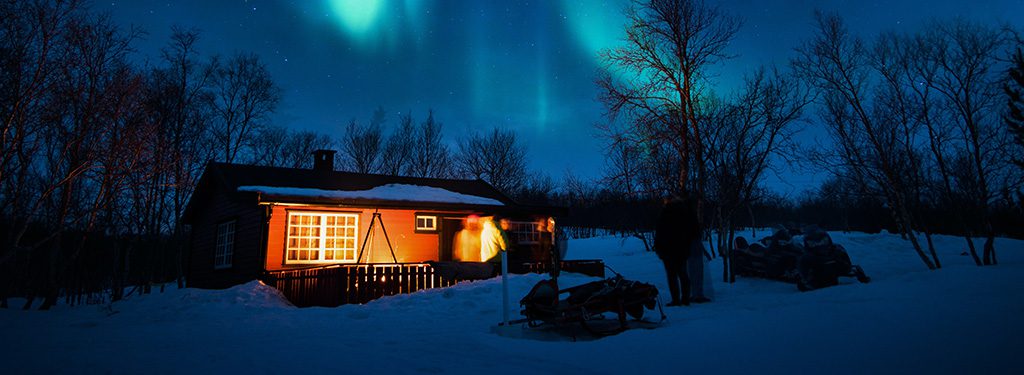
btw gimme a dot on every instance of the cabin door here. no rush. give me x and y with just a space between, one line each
449 227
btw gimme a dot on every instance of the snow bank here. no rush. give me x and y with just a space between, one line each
391 192
961 319
252 295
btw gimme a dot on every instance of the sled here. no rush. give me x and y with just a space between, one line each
587 304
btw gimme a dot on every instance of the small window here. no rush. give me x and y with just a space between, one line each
224 252
426 223
524 232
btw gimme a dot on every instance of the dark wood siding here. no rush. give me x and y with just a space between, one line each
247 262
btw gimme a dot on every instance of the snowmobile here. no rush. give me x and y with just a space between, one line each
773 257
816 262
587 304
823 262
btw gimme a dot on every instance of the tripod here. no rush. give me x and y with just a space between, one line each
373 221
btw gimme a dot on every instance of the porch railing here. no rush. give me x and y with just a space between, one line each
360 283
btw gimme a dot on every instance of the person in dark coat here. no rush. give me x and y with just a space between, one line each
673 236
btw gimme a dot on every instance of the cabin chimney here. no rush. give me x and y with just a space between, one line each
323 160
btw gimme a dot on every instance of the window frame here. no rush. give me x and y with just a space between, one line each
322 238
533 235
224 254
434 218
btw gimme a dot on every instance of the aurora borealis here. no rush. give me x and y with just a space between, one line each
526 65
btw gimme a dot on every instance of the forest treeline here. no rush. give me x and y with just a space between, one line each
100 152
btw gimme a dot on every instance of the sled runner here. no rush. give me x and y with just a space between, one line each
587 304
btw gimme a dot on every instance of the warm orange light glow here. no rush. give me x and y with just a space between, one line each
491 239
466 246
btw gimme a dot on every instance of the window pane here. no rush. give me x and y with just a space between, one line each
224 245
306 237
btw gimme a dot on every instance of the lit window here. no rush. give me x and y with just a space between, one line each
224 252
426 223
524 232
315 237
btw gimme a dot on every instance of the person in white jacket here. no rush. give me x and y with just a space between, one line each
493 239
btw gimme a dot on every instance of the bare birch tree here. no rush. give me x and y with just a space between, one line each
1014 88
243 96
969 78
867 141
32 37
497 157
656 81
396 157
431 157
755 128
361 147
182 104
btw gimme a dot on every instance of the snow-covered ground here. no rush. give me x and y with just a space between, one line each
961 319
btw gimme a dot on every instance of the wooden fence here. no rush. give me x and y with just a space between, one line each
360 283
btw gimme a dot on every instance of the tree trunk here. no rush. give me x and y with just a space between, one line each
753 224
931 249
990 248
732 237
907 232
920 252
972 250
724 251
712 244
117 277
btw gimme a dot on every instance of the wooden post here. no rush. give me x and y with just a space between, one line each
504 288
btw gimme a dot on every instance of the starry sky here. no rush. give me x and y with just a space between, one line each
524 65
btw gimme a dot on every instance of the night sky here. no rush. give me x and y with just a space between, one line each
526 65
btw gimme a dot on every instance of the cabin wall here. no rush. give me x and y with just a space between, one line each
409 246
247 259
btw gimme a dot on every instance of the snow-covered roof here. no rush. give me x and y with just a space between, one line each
389 192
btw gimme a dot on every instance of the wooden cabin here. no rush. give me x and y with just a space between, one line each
248 222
